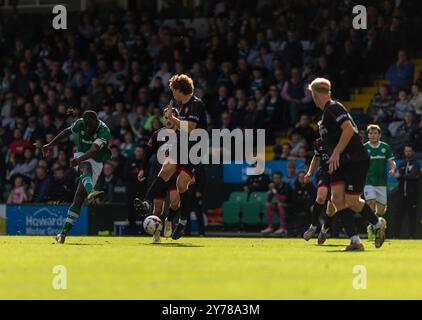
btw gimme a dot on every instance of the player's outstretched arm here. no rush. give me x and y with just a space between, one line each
314 164
64 134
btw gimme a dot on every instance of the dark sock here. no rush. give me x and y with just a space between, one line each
184 206
348 222
155 188
316 213
369 215
173 213
328 222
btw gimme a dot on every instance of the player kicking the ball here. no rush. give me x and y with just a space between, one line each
159 199
192 113
320 159
91 138
376 181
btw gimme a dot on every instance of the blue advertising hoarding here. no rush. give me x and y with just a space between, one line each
42 220
236 173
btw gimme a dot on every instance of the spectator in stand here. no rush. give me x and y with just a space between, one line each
252 117
226 121
404 133
408 173
18 194
117 160
291 174
400 74
26 166
107 182
297 96
284 152
302 200
278 196
297 142
401 106
305 130
41 185
381 108
59 190
18 146
415 103
256 183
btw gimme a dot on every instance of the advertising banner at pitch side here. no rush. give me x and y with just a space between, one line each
42 220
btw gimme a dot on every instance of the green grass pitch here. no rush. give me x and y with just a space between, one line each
207 268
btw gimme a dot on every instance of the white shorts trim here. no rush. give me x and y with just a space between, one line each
377 193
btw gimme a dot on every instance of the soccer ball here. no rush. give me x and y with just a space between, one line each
152 224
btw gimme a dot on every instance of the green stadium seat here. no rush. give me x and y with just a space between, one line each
250 213
230 212
238 197
258 197
276 218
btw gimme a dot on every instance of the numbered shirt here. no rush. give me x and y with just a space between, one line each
333 116
380 155
321 152
84 140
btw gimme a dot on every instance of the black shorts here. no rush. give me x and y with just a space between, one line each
170 186
352 175
323 180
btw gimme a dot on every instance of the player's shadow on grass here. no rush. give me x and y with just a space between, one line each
84 244
171 244
342 251
330 245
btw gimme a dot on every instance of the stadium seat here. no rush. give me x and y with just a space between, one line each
230 213
261 198
238 197
251 213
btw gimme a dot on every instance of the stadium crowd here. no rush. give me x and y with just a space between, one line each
251 66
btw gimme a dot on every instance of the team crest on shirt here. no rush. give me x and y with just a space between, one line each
383 150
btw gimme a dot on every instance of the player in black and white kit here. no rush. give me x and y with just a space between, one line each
320 159
152 147
348 164
192 115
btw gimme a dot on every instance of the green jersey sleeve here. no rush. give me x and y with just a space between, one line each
77 126
103 136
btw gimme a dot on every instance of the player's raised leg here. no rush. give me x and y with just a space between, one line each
157 186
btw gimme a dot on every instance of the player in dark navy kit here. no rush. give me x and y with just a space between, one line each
348 164
192 115
320 159
154 144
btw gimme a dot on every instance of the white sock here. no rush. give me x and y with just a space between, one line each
355 239
312 227
183 222
323 230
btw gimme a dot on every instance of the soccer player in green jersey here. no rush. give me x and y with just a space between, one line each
376 180
91 137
